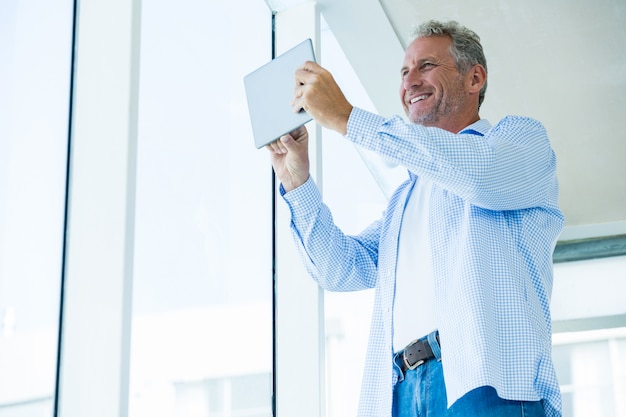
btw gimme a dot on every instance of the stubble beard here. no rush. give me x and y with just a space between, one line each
449 104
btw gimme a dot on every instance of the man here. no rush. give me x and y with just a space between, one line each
461 259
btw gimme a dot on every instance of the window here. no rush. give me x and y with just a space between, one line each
202 296
34 113
591 367
589 341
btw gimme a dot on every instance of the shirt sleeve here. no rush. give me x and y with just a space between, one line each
337 262
510 167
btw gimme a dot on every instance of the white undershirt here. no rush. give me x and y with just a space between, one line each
414 305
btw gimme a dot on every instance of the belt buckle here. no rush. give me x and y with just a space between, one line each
406 360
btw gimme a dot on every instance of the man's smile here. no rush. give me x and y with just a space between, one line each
418 98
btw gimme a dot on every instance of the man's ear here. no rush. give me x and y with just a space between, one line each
476 78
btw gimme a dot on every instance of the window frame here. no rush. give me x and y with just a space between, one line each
97 285
299 315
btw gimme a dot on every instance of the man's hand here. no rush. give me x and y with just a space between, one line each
290 158
317 92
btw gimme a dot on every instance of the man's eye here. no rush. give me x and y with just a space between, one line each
427 65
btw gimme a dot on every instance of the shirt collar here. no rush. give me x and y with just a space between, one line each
480 127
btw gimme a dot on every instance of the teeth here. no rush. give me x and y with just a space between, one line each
418 98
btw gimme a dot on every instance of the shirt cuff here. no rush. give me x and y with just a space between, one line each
303 202
363 125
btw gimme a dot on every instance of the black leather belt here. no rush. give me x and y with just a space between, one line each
415 354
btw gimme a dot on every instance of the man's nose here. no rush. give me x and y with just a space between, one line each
412 79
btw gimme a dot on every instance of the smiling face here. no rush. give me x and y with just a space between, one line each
433 92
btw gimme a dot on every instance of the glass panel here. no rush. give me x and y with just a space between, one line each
591 371
202 308
35 46
591 378
240 396
355 200
561 357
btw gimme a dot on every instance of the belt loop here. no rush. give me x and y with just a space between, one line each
434 345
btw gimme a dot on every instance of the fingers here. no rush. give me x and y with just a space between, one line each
309 68
305 76
278 146
317 92
308 73
297 103
288 141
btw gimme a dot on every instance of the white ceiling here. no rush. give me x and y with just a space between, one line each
561 62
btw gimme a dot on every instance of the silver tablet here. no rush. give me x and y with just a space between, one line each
270 89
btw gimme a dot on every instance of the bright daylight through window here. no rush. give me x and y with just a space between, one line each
203 246
202 275
34 114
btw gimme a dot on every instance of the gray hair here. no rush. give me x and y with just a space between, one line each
466 49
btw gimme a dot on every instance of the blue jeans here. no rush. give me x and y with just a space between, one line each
421 393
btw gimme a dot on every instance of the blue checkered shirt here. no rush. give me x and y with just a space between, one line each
494 220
